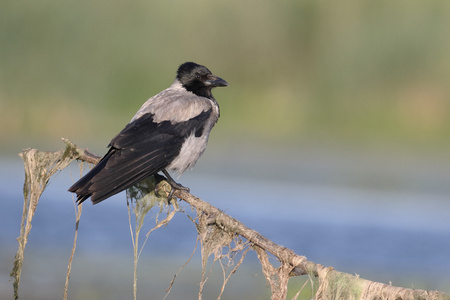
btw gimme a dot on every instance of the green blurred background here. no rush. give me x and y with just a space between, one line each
350 72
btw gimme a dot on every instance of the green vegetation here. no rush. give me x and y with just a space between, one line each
353 70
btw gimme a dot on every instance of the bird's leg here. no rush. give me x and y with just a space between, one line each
175 186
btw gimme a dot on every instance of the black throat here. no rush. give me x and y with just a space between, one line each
199 89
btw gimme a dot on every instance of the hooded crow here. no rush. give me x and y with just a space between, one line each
169 132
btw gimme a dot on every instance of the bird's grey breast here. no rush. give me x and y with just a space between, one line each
194 146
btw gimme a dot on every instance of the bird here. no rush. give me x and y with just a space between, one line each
168 133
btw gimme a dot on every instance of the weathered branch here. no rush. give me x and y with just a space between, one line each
332 284
300 265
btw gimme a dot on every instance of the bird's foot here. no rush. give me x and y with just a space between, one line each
175 185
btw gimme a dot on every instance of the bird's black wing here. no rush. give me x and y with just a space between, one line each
141 149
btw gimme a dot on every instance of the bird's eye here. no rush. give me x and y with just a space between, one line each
198 76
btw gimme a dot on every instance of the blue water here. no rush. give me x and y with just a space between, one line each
385 233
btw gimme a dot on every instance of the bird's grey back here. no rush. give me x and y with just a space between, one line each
175 104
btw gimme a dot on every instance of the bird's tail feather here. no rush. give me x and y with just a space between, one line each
114 174
82 186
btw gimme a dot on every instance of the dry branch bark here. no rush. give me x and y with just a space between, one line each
332 284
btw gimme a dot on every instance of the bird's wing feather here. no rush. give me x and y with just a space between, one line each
144 147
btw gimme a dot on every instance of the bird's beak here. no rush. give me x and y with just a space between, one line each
214 81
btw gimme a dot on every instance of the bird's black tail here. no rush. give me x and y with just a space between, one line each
83 187
118 170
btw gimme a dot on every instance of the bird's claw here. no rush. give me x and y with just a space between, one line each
174 186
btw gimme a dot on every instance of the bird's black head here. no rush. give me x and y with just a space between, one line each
198 79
